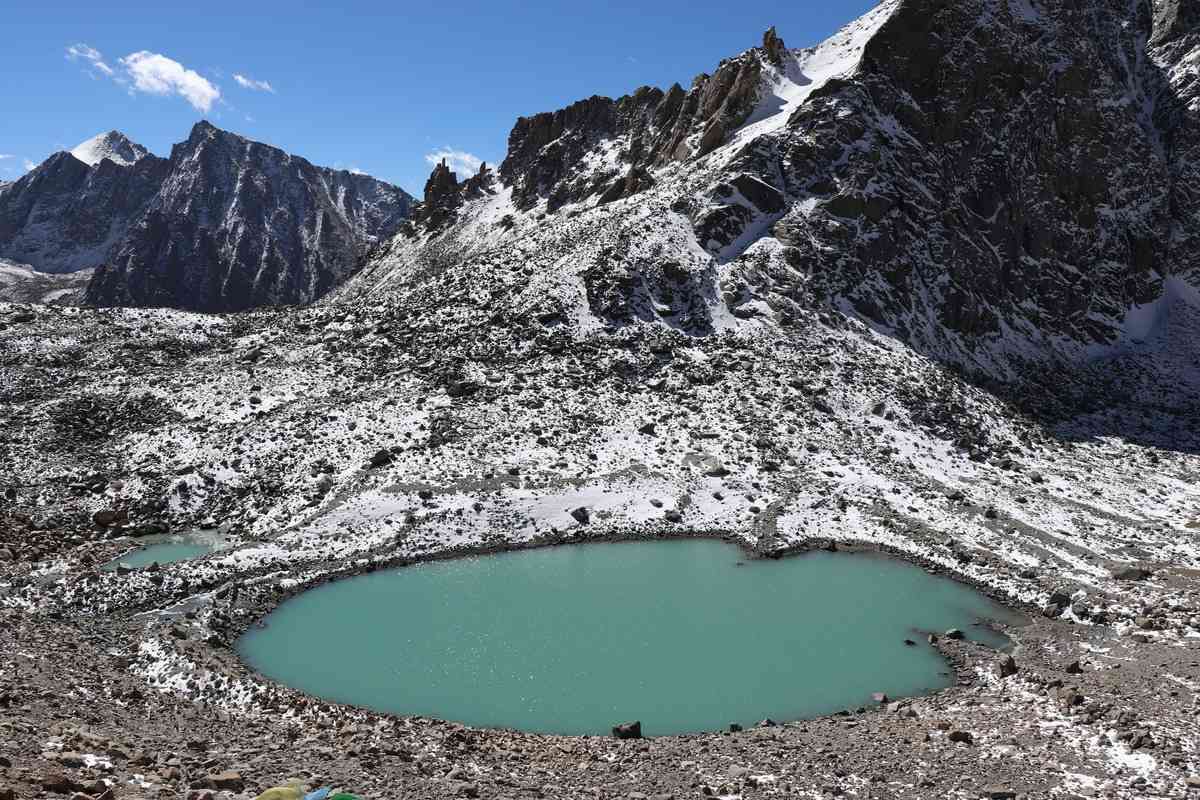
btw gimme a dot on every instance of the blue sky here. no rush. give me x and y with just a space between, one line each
381 86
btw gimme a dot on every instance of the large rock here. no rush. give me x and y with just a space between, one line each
1131 573
1006 666
225 781
628 730
110 517
58 783
998 793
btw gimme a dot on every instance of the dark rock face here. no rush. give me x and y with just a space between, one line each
441 194
1175 18
238 224
65 216
1176 34
972 177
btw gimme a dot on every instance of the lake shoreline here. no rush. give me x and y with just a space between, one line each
807 595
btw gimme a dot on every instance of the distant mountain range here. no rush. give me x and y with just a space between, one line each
984 179
224 224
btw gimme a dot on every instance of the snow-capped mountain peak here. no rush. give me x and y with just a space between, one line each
114 145
286 230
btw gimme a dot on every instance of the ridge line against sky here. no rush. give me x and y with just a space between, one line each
377 88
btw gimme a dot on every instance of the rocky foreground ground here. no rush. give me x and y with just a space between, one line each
335 440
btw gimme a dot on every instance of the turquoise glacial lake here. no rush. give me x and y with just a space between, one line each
168 549
684 636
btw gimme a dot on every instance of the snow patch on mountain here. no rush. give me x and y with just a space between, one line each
807 70
114 146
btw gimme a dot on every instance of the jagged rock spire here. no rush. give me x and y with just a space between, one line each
773 45
443 195
442 183
480 183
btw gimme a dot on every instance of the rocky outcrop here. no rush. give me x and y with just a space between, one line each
583 150
480 184
444 194
237 224
773 46
635 180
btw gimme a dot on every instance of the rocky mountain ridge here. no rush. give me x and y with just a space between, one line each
993 182
223 224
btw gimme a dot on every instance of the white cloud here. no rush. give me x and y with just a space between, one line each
464 165
253 85
156 74
91 55
152 73
6 155
357 171
29 165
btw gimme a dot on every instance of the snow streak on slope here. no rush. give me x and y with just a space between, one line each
114 146
806 71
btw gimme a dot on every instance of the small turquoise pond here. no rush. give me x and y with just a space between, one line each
685 636
168 549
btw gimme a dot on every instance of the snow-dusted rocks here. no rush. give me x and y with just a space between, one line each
993 182
20 283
